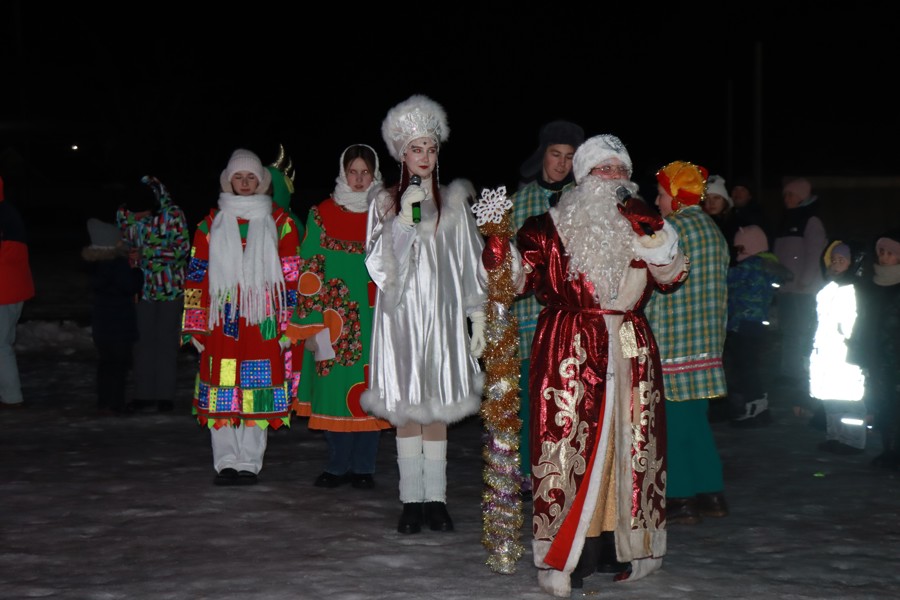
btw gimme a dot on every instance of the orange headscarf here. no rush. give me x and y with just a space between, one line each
685 182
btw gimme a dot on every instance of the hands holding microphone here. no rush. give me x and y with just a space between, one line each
411 201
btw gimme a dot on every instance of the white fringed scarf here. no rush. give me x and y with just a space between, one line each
255 269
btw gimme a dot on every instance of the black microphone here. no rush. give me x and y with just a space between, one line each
416 206
624 196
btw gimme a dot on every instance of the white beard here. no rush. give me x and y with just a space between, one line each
596 236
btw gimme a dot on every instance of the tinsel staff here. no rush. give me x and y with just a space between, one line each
501 503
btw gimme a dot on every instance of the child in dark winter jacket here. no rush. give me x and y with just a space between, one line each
752 283
115 284
878 347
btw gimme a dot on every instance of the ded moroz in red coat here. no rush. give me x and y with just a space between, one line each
577 419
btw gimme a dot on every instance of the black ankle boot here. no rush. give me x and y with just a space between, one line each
437 516
411 518
609 562
587 562
682 510
889 457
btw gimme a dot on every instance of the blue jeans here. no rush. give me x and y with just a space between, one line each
352 451
10 385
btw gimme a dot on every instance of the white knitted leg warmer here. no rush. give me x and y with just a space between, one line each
435 471
409 460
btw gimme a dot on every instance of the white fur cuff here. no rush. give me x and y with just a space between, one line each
557 583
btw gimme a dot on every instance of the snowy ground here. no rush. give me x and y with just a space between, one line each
108 508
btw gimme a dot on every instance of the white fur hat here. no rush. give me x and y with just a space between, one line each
418 116
244 160
594 151
715 184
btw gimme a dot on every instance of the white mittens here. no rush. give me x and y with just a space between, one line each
413 194
478 341
659 248
517 272
320 344
197 344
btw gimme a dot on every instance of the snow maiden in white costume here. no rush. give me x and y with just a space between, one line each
424 370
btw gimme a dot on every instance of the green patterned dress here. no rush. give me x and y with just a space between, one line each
335 292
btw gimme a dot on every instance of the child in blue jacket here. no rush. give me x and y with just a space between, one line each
753 280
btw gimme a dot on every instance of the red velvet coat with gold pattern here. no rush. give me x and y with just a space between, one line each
597 406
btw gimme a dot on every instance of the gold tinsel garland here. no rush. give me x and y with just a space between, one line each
501 502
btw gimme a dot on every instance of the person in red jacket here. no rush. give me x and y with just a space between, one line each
17 287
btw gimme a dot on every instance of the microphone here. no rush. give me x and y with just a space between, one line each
416 206
624 196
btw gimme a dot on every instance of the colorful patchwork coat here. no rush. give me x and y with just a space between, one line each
244 375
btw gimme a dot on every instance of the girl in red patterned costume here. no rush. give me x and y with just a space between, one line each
243 261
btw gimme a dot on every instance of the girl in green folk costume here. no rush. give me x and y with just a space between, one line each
334 319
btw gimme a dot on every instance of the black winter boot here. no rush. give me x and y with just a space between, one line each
437 516
608 561
587 562
411 519
889 457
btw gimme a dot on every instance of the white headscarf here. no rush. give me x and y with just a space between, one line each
344 195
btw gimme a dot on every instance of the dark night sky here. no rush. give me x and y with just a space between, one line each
160 91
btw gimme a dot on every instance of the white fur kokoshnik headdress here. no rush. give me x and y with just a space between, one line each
416 117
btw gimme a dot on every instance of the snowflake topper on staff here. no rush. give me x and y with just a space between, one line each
493 217
492 212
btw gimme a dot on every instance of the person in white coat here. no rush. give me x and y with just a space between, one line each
422 252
